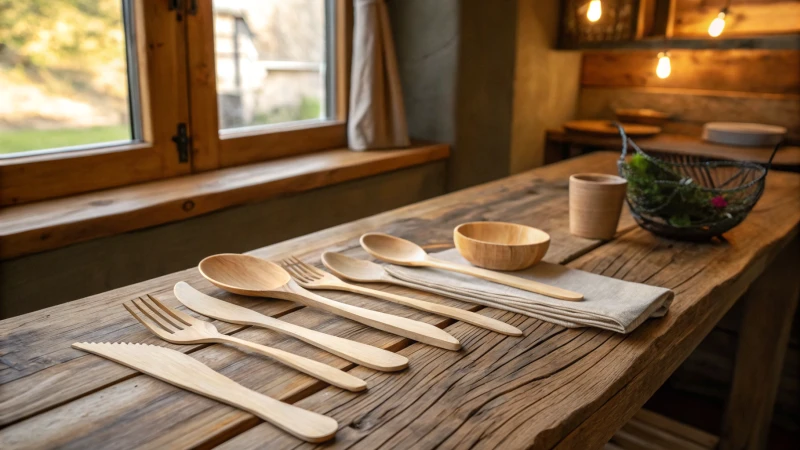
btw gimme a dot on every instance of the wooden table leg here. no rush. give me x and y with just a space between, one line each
769 308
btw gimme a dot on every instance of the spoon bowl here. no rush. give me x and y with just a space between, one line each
405 253
249 275
393 249
353 269
243 274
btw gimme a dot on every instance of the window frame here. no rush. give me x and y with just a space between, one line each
159 43
211 150
177 85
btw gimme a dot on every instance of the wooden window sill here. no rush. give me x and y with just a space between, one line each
50 224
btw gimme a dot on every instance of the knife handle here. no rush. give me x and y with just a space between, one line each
310 367
412 329
183 371
363 354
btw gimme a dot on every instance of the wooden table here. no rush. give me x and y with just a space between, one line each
562 145
554 387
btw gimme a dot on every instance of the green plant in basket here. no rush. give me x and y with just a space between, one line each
686 197
681 202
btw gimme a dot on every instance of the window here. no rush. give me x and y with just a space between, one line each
101 93
270 60
64 72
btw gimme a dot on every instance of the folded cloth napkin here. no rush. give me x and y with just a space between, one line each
608 303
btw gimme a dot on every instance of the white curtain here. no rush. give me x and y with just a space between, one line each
376 114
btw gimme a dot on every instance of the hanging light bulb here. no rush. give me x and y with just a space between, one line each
718 24
595 11
664 67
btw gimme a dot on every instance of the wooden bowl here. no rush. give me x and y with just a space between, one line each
501 245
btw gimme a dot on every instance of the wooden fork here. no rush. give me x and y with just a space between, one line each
310 277
177 327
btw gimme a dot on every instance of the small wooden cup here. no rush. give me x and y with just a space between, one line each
595 203
501 245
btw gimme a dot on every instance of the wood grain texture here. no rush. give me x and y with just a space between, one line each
766 71
501 245
527 394
202 82
748 17
55 223
651 430
502 391
693 108
42 368
769 307
263 144
186 372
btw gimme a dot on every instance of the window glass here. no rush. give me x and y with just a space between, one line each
270 61
64 80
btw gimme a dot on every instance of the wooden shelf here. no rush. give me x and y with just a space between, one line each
774 42
50 224
788 157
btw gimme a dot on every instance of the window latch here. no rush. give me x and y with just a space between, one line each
182 143
190 7
177 6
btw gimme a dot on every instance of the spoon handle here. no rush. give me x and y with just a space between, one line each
442 310
310 367
508 280
412 329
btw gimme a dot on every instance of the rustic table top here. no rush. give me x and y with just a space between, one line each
570 388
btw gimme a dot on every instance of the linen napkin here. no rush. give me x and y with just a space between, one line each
608 303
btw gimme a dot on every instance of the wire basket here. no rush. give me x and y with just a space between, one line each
687 197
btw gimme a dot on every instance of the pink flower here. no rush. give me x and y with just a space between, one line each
719 202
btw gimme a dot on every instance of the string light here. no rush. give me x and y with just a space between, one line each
664 67
595 11
718 24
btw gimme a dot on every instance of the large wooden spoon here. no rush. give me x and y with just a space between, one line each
369 272
406 253
249 275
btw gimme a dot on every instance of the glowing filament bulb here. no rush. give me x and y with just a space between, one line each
717 25
595 11
664 67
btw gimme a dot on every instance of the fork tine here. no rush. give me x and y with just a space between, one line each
164 326
157 330
178 315
296 274
308 270
157 315
313 269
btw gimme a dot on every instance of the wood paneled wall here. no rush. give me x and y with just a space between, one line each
705 85
746 17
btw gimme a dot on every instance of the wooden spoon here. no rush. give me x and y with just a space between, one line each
406 253
249 275
310 277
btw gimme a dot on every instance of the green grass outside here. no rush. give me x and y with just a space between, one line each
26 140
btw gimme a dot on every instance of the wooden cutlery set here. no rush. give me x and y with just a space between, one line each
291 280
